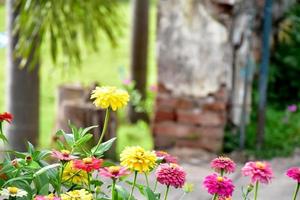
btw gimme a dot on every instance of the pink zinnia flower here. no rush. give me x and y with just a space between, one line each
88 164
170 175
292 108
126 81
166 158
6 117
294 173
223 164
219 185
114 172
63 155
258 171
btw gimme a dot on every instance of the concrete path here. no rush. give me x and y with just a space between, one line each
197 166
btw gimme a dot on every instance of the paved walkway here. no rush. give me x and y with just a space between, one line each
197 166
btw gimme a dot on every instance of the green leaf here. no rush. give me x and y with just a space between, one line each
140 187
105 146
86 130
20 178
150 194
83 139
31 148
69 139
122 192
46 168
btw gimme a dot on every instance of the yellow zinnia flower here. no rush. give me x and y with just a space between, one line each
137 159
77 195
108 96
73 175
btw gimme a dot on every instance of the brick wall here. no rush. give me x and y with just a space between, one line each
183 121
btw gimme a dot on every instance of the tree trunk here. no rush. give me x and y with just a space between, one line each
139 53
22 92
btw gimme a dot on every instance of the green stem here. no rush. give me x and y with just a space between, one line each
155 186
133 185
113 189
222 172
256 190
107 115
183 195
89 182
60 179
147 181
215 197
296 191
167 192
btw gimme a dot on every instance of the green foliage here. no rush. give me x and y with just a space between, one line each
282 134
134 134
66 25
141 105
284 82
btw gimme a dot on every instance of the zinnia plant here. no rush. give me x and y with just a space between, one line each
74 170
259 172
294 173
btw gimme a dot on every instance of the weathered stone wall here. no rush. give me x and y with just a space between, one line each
194 74
207 50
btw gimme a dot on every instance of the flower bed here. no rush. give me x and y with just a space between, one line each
77 172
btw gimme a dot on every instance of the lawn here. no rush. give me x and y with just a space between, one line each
104 66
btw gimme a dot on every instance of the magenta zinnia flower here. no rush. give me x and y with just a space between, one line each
223 164
114 172
222 186
258 171
166 158
88 164
170 175
63 155
294 173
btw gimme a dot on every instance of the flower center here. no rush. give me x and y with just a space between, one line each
114 169
65 152
220 179
13 190
260 165
173 165
87 160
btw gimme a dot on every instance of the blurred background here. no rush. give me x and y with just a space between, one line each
215 75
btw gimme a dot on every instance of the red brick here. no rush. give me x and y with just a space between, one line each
216 106
164 141
215 133
164 114
165 101
185 103
204 143
175 130
199 117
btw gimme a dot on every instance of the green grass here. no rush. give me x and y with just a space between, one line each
103 66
